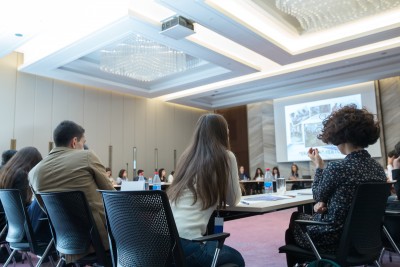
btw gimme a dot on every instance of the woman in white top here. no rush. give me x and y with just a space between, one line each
206 176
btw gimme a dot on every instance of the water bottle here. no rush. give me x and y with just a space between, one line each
156 182
268 186
141 179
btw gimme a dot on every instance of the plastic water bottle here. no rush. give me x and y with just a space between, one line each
156 182
268 186
141 179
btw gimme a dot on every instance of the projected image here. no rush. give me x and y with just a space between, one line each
304 123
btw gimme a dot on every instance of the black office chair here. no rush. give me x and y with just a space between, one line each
361 240
391 230
73 227
142 230
20 235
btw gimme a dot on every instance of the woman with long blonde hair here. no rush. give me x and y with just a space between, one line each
206 177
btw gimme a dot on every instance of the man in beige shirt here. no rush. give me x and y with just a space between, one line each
69 167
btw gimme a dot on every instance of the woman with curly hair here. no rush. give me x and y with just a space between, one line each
351 130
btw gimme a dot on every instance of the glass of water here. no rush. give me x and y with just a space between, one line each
281 186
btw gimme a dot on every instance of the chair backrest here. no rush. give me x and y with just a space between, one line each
142 229
72 223
19 224
363 227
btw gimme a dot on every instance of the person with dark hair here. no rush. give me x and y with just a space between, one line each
162 173
139 173
6 156
122 176
69 167
351 130
109 175
276 173
243 176
14 175
257 188
294 172
393 201
206 177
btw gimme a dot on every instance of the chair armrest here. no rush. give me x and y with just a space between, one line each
392 212
307 222
214 237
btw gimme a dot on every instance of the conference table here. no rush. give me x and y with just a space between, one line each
252 205
303 183
259 203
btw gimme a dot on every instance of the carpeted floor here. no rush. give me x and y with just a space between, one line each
259 237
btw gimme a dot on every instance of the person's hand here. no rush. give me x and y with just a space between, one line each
313 154
320 207
396 162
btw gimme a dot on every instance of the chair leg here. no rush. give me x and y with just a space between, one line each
9 252
52 261
10 258
214 262
44 255
59 264
389 237
29 259
381 255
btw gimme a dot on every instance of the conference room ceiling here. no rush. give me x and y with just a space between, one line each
240 52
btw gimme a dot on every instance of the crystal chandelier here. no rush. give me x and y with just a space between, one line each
314 15
141 59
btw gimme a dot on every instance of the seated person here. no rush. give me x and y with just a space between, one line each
108 172
139 173
171 177
257 188
294 172
393 201
204 180
14 175
242 174
162 174
69 167
334 187
6 156
294 175
276 173
122 176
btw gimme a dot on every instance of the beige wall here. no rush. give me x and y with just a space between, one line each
261 129
32 106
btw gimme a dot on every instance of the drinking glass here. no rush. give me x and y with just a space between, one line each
281 186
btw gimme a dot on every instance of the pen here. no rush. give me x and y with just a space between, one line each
244 202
